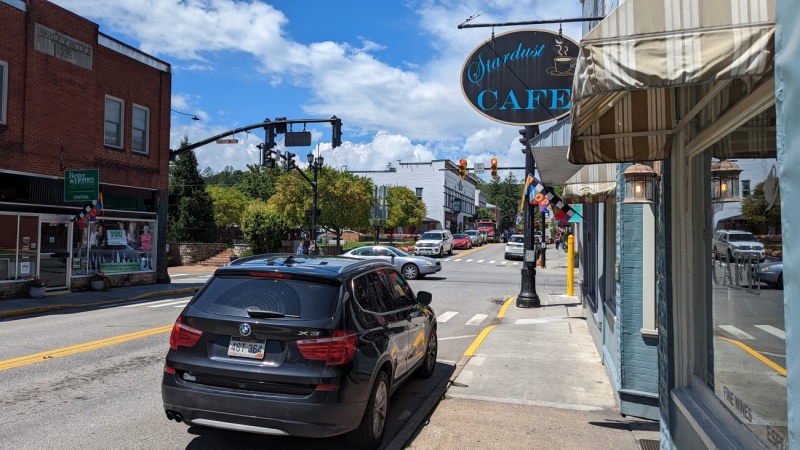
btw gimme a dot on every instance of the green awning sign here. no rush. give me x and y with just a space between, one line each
81 185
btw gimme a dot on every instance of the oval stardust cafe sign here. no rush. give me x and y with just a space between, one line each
522 77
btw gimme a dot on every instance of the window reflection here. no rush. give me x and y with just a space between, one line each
746 346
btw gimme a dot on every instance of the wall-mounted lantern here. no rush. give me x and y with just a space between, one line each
725 182
639 184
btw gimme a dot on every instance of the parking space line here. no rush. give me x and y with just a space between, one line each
446 316
477 319
772 330
736 332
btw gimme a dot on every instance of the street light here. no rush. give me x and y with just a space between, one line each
315 163
528 298
185 114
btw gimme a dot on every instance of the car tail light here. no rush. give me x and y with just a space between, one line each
183 335
337 349
169 369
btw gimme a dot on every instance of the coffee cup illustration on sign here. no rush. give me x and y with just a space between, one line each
563 64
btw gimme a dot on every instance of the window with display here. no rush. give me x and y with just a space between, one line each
114 246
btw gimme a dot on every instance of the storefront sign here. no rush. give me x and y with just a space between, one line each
81 185
116 237
521 77
120 267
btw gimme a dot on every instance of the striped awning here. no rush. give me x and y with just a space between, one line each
630 63
592 184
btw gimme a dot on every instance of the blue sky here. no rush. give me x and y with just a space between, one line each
389 69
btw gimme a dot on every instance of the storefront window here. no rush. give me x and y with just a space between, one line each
114 246
18 247
745 361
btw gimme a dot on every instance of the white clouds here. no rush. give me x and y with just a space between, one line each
414 111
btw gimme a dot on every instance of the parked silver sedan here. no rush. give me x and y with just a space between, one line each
411 266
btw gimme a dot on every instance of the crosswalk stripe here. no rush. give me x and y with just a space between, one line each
504 262
446 316
470 260
772 330
457 259
477 319
480 260
182 302
736 332
491 262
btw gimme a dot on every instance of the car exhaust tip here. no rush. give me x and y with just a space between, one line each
178 417
169 415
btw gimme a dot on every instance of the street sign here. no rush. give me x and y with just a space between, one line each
81 185
478 168
297 139
227 141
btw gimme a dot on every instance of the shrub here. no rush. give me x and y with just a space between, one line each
263 228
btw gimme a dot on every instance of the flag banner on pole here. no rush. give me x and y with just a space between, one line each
526 192
100 201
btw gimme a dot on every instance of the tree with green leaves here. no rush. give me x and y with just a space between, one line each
263 227
229 205
344 199
227 177
192 219
259 182
405 209
754 208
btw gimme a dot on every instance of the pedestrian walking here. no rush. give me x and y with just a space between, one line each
300 249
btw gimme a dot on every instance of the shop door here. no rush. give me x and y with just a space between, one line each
54 253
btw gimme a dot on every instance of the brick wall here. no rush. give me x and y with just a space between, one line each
56 108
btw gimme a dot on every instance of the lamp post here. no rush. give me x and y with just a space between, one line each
316 164
527 297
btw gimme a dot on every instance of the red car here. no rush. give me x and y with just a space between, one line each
462 242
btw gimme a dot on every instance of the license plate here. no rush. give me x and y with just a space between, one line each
247 347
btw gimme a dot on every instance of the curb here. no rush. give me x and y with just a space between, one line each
51 308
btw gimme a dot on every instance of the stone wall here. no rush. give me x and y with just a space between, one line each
20 289
190 254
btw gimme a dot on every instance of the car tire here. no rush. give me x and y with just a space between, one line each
410 272
372 428
441 252
429 362
730 257
506 256
451 251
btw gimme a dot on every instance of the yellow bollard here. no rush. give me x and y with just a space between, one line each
570 265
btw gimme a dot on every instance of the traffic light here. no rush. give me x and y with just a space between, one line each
462 168
524 139
336 139
494 167
290 163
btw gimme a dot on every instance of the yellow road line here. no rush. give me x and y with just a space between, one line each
478 340
508 302
85 347
757 356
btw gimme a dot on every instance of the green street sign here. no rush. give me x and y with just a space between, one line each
81 185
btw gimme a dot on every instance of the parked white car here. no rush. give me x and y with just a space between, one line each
435 242
735 244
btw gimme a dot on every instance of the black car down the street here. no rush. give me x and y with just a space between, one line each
298 346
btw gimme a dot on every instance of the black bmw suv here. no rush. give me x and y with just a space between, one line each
298 346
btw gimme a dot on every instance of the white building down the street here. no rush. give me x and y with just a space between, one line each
451 201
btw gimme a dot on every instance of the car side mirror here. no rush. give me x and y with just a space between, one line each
424 297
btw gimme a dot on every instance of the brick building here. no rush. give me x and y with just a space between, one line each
74 101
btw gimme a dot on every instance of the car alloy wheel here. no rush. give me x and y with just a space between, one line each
429 363
370 431
410 272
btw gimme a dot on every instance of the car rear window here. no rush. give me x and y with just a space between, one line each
233 296
516 239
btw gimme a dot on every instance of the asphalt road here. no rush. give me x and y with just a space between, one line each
103 389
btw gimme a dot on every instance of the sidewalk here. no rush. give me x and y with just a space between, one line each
535 382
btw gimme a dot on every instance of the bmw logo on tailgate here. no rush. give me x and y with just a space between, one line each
245 329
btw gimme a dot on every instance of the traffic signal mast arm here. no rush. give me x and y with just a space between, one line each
267 124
